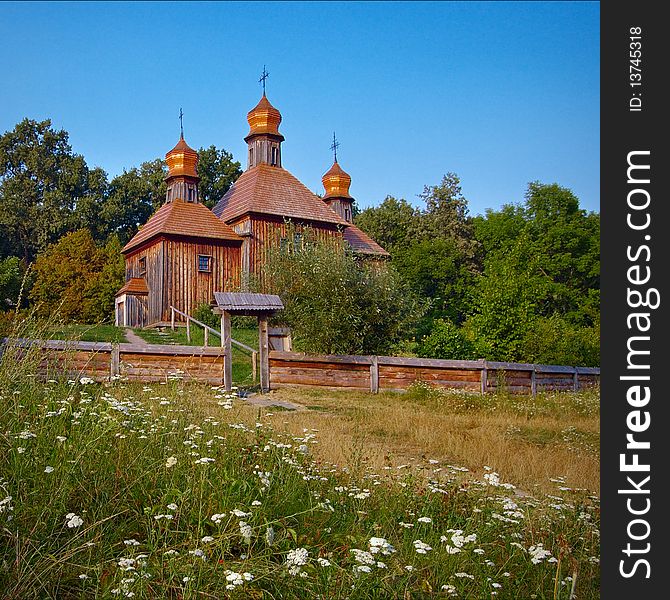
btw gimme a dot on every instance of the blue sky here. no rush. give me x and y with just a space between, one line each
499 93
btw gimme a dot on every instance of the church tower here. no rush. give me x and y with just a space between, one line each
182 179
336 183
264 139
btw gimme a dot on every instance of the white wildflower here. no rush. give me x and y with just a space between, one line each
245 530
425 520
295 559
48 469
380 545
538 553
73 520
421 547
171 461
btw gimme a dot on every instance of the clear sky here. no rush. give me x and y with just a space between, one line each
499 93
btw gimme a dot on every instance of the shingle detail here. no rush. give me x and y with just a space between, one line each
186 219
362 243
269 190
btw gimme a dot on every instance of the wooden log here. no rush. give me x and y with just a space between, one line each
363 368
533 383
264 348
115 360
374 375
227 351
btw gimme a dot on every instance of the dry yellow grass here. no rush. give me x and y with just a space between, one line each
528 442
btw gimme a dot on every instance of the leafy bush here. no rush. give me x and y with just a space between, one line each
205 315
555 341
446 340
78 279
10 282
336 304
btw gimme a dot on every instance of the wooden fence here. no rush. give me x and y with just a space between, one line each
153 362
381 373
103 361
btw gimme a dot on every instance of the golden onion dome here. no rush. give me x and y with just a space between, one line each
264 118
336 182
182 160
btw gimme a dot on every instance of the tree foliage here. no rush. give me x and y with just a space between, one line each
337 305
42 182
501 285
217 171
77 279
10 282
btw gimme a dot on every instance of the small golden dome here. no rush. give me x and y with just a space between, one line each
182 160
336 182
264 118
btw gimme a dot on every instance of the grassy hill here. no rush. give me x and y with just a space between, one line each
180 491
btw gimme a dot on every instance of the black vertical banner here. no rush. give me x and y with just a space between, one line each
635 271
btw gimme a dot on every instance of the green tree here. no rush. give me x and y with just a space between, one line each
41 183
10 281
392 224
217 171
77 279
447 340
505 303
337 305
132 197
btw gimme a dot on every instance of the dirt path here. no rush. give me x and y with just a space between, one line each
133 338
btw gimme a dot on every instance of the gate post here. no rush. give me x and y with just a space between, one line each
263 347
227 351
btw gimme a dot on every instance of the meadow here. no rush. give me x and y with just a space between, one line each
176 490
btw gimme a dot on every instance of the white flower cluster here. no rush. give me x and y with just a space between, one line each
538 553
421 547
73 520
235 579
380 546
296 559
458 540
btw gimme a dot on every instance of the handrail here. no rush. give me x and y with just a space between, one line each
207 329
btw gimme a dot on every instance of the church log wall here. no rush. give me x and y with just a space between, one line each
185 287
267 232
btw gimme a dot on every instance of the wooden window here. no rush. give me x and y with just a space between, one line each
283 244
297 242
142 265
204 263
274 156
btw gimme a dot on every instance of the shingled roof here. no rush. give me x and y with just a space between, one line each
135 286
240 302
269 190
182 218
362 243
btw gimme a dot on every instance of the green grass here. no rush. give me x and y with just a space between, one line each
85 333
242 371
127 461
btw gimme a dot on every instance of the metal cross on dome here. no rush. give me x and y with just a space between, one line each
181 122
334 146
264 76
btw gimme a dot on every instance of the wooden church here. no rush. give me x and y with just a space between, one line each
186 252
